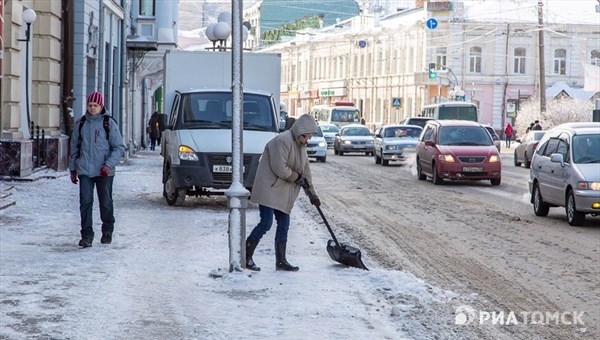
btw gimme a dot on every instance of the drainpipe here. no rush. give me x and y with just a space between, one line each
123 90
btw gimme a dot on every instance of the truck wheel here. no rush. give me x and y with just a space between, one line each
174 196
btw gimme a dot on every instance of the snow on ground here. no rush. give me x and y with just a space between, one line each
153 281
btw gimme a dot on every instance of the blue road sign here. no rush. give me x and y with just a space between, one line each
432 23
396 102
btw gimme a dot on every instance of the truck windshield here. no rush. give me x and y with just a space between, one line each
213 110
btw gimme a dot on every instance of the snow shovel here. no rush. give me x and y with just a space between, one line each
340 252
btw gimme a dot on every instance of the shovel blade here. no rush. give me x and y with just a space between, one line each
345 254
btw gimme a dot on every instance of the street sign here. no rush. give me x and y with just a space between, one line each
432 23
397 102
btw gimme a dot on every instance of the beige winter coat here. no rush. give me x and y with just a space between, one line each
280 165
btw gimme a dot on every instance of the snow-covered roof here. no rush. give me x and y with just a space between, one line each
561 86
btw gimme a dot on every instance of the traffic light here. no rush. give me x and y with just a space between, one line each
432 71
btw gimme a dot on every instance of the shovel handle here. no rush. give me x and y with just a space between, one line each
324 220
328 227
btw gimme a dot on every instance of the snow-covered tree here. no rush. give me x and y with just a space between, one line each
558 111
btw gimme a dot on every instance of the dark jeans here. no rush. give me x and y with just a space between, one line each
507 138
86 202
153 143
266 220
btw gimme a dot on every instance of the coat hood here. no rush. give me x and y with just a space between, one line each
303 125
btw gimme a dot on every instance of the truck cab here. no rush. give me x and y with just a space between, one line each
197 139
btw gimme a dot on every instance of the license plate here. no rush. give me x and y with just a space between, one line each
224 169
472 169
358 146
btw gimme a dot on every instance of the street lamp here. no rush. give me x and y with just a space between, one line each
221 31
29 17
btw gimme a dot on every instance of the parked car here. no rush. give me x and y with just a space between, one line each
565 171
418 121
316 147
395 143
495 137
524 151
353 138
329 131
457 150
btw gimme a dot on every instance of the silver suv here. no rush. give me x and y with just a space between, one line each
565 171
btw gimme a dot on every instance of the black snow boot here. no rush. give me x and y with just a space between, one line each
250 246
106 238
280 262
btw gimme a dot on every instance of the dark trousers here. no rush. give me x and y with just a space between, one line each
266 220
86 201
153 143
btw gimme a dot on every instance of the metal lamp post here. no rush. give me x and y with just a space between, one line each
29 17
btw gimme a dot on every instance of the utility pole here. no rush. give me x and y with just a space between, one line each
542 90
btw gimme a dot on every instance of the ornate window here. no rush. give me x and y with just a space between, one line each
475 59
560 61
520 59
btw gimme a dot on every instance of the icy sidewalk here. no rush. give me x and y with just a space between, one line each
153 281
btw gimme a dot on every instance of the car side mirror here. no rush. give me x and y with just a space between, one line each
162 122
289 121
557 158
429 143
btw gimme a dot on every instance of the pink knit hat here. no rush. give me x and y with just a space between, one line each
96 97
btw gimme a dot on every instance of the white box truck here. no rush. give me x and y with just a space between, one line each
197 140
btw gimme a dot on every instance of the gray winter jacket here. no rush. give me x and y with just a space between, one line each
95 149
281 163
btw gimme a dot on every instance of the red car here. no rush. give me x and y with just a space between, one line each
457 150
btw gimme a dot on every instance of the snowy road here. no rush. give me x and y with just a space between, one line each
470 238
430 249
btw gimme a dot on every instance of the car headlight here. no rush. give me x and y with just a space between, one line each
588 185
347 142
322 144
446 158
187 154
494 159
391 147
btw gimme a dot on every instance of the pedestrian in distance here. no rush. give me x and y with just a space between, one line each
153 130
508 131
283 170
96 148
536 126
529 127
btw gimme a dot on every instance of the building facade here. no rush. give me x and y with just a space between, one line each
74 48
481 53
